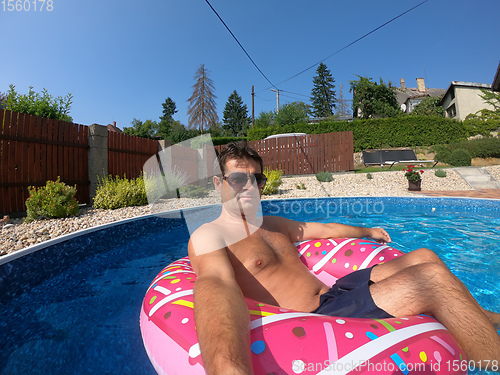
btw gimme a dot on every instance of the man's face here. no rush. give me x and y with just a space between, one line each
239 188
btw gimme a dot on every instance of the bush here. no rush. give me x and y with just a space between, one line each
193 191
369 176
324 177
443 155
120 192
54 200
440 173
460 158
300 186
39 104
273 181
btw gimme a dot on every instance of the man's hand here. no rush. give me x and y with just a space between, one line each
379 235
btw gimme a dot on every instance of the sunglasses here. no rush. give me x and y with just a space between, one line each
237 180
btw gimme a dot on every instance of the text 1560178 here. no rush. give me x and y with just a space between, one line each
27 5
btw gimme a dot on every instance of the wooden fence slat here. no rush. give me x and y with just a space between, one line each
43 149
9 192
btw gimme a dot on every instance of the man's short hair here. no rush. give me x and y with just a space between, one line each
238 150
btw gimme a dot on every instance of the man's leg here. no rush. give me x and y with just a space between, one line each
430 288
422 256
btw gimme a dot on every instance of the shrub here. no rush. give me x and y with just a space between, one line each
440 173
369 176
166 184
300 186
120 192
54 200
460 158
39 104
443 155
324 177
193 191
273 181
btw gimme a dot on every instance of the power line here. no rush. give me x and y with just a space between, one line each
294 93
237 41
355 41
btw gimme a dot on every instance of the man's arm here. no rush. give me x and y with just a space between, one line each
300 231
221 315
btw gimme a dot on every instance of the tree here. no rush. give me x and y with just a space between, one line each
292 113
265 119
202 109
235 120
39 104
179 132
147 129
429 107
166 120
323 93
169 109
3 100
371 99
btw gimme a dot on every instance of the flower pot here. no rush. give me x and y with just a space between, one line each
414 185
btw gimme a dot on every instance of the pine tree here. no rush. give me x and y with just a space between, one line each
169 109
167 120
202 109
323 93
235 119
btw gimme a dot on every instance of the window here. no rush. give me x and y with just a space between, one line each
451 112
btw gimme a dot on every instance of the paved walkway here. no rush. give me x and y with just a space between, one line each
481 193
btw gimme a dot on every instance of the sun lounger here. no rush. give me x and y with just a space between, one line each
390 157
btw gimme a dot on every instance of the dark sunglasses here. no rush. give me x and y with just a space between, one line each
237 180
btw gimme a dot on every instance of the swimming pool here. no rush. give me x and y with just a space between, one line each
73 307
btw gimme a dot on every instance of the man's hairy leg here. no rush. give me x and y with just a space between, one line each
422 256
430 288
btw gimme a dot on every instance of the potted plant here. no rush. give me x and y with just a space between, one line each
414 178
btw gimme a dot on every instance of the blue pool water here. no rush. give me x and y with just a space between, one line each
73 307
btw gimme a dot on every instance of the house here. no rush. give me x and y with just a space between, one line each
409 97
495 86
114 128
463 98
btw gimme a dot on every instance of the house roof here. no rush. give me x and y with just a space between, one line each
465 84
412 93
495 86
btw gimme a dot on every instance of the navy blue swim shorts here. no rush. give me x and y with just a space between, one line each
350 297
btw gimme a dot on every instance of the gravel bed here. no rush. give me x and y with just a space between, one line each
18 235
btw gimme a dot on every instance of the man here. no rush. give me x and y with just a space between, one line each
244 254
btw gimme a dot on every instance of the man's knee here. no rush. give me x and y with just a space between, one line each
433 274
424 255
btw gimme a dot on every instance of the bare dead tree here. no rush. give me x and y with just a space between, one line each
202 110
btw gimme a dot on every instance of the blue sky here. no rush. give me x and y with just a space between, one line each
122 59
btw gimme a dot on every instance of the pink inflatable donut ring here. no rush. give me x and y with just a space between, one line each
289 342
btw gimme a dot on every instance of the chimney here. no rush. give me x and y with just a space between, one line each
403 86
420 85
114 124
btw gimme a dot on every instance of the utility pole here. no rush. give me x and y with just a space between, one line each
277 100
253 111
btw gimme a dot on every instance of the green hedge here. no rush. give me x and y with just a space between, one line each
477 148
410 131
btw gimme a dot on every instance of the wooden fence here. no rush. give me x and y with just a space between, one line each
307 154
127 154
35 149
